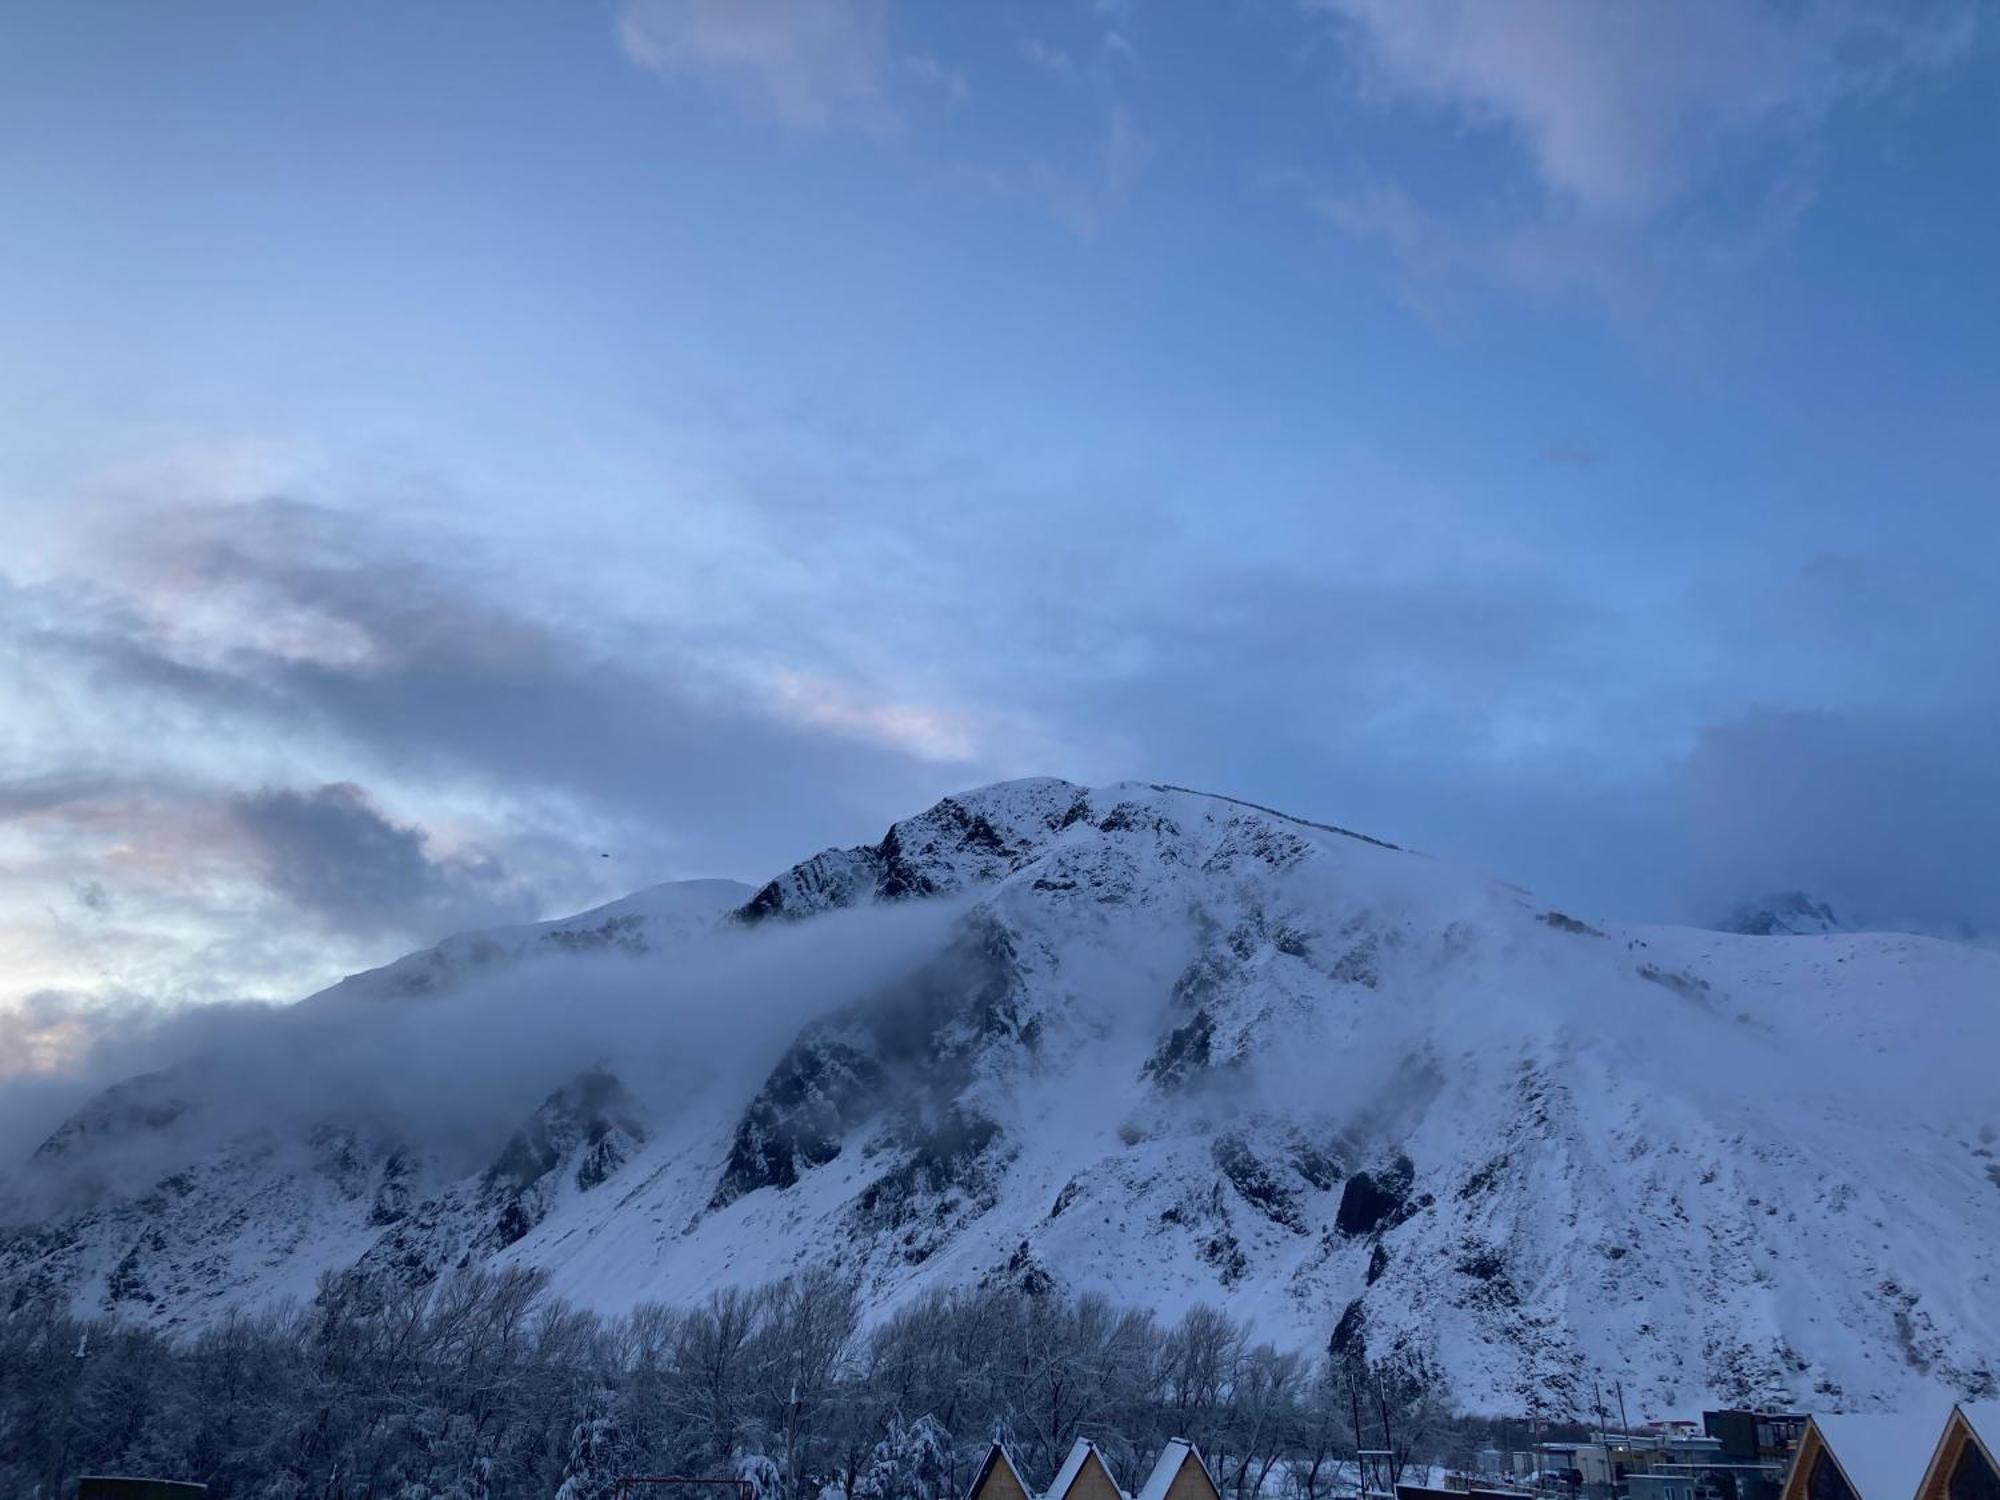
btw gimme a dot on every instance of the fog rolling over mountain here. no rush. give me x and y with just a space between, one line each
1784 913
1163 1044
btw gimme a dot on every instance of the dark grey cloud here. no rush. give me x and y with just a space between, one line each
425 664
1467 715
1821 723
331 853
1893 820
1857 762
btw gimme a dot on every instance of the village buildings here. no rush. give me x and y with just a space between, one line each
1732 1455
1178 1474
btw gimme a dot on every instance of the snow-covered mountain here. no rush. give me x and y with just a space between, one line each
1177 1048
659 916
1784 914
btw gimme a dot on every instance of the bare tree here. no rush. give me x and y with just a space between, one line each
482 1386
1321 1431
711 1370
799 1354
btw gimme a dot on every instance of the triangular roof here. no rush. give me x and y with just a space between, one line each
998 1457
1983 1417
1882 1455
1979 1424
1081 1454
1176 1456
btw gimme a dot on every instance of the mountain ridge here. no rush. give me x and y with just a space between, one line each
1177 1047
1784 914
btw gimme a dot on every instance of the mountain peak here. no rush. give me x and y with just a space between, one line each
975 837
1179 1048
1783 914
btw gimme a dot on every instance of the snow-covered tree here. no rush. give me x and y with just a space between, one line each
911 1462
595 1455
480 1386
760 1472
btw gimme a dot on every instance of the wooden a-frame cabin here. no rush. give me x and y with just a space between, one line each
1180 1474
1966 1465
999 1479
1862 1457
1084 1476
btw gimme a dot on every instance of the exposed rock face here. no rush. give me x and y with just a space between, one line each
1180 1048
573 1143
585 1130
824 1088
963 841
1376 1202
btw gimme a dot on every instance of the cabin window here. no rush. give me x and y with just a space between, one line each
1826 1481
1972 1477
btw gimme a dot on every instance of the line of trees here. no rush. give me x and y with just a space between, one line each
485 1387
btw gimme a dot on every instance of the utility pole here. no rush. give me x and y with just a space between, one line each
1354 1399
1388 1436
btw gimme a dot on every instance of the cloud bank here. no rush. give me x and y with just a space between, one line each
457 1071
269 741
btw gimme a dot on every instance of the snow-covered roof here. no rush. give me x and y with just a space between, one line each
1079 1454
997 1454
1172 1457
1072 1466
1169 1464
1883 1454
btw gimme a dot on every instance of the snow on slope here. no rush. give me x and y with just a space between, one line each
660 915
1181 1049
155 1201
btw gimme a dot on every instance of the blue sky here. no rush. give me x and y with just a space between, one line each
442 446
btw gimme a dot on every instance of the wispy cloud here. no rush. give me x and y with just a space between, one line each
912 728
1084 199
936 77
1054 61
808 64
1622 113
1619 105
821 65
